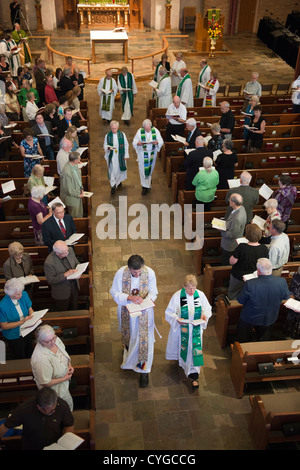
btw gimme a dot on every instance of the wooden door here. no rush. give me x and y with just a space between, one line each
246 16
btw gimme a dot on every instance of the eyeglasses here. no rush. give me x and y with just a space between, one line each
50 340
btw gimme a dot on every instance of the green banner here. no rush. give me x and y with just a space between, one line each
213 14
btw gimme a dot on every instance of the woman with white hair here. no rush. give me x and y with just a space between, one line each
147 143
273 213
216 141
206 182
51 364
31 107
15 310
185 343
38 212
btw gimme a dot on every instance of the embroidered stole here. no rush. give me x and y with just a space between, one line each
196 333
148 159
178 92
143 318
210 84
127 93
106 98
200 78
121 152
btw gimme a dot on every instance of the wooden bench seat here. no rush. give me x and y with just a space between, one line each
246 357
271 415
15 168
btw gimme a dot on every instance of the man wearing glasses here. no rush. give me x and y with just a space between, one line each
45 418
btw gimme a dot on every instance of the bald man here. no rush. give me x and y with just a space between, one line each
176 115
107 89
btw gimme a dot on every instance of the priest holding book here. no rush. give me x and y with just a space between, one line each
107 90
135 283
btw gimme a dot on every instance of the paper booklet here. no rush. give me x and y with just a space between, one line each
208 124
106 92
247 277
215 154
68 441
29 279
265 191
74 111
293 305
87 194
218 224
5 137
80 268
8 187
33 157
153 83
136 309
207 139
188 150
74 238
81 128
246 114
49 180
259 221
178 138
6 198
234 183
30 325
10 125
82 164
80 150
45 135
192 322
49 189
242 240
172 116
54 201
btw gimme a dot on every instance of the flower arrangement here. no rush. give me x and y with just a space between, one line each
214 29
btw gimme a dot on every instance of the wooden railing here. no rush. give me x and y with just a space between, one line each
165 46
52 51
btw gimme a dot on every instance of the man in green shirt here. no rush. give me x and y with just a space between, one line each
22 96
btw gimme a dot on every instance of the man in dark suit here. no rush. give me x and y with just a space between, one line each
227 120
194 160
249 194
70 120
194 132
60 264
261 299
235 227
41 128
59 226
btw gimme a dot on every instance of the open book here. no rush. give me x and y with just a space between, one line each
178 138
135 310
247 277
293 305
13 124
106 92
215 154
33 157
218 224
54 201
8 187
259 221
87 194
192 322
68 441
49 180
81 128
31 324
49 189
80 268
265 191
234 183
153 84
74 238
29 279
242 240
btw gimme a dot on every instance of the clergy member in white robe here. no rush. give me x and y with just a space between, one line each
128 89
185 340
177 65
107 90
132 284
164 89
185 89
116 153
9 48
204 76
147 143
211 89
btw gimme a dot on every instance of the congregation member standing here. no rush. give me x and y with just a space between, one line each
71 189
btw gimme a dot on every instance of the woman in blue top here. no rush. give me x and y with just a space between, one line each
15 310
30 146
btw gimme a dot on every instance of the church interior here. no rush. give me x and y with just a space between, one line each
229 410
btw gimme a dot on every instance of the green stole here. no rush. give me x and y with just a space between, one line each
165 76
106 103
178 92
121 152
148 160
196 333
155 78
127 93
199 87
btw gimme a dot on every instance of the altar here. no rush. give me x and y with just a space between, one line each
110 14
109 37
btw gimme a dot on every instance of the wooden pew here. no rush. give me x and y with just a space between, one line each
84 427
20 184
272 417
38 254
22 231
247 356
16 378
15 169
